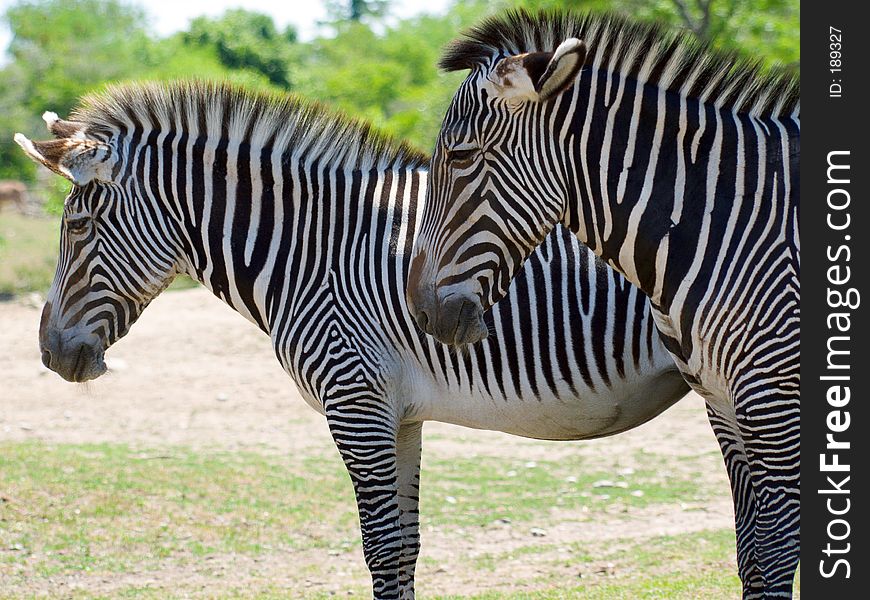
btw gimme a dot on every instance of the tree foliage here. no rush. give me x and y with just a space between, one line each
766 29
389 78
60 50
355 10
372 67
246 40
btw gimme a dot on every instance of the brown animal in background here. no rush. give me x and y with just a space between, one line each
14 192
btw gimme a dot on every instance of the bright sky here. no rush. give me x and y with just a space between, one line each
169 16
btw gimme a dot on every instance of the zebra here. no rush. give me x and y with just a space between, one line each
303 222
675 164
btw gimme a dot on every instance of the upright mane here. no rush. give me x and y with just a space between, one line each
228 111
643 51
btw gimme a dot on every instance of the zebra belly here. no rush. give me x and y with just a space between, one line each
586 415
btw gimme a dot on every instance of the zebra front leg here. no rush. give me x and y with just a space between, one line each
408 448
725 428
365 433
770 425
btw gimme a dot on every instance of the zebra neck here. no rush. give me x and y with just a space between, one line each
663 175
280 242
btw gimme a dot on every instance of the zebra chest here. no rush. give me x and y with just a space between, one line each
690 352
330 343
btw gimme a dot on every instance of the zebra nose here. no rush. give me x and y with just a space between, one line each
420 295
459 320
46 358
421 316
420 305
49 344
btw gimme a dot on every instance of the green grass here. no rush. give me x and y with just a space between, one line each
28 253
484 489
684 567
75 506
107 509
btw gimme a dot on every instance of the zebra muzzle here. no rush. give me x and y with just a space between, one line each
451 315
457 320
73 359
470 327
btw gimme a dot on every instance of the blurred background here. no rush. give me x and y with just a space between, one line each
374 59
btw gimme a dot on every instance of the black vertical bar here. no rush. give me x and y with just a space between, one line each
835 229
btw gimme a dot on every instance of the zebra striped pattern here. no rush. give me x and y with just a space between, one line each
679 167
304 222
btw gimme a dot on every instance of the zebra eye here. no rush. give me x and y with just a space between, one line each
78 225
461 155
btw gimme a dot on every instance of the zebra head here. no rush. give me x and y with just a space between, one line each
112 262
494 192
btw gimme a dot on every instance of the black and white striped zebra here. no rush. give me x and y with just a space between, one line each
303 222
676 165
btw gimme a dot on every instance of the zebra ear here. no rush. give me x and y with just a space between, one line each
77 158
538 76
562 69
62 129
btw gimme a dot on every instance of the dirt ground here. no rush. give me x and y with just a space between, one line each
194 373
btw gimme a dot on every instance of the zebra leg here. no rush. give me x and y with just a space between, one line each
730 441
770 426
408 448
364 432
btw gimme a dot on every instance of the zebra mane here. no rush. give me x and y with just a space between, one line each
643 51
300 126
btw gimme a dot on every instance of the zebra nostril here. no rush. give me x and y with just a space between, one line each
46 358
423 320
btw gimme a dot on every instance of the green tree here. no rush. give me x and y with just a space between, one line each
61 49
70 46
389 78
175 57
246 40
356 10
13 117
765 29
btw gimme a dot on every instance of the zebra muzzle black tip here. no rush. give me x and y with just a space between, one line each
457 320
75 362
46 359
470 327
421 317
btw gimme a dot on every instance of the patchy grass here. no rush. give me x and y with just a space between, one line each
28 253
98 512
689 566
477 491
110 508
685 567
